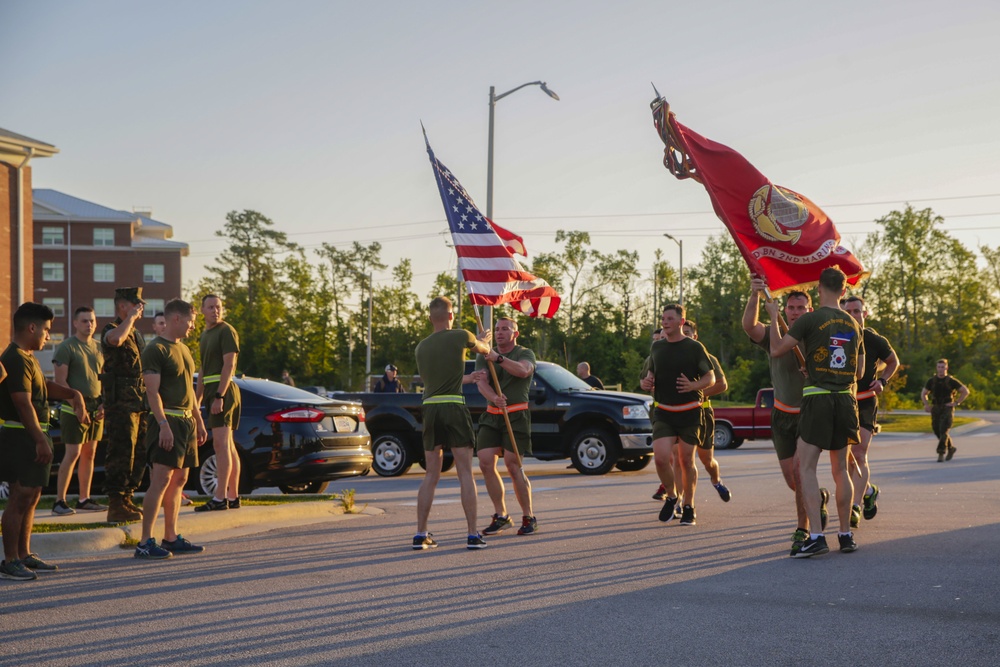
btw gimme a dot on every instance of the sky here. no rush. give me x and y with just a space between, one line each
310 112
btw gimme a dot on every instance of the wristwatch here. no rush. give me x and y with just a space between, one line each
218 395
500 358
882 380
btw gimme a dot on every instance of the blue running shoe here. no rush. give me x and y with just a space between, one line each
149 550
181 546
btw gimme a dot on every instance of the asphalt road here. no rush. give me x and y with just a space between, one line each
602 583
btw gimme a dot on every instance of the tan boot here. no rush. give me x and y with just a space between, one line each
119 512
129 501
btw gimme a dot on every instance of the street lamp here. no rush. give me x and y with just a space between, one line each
680 246
494 98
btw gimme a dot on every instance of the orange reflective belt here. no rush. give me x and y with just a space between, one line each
516 407
778 405
684 407
862 395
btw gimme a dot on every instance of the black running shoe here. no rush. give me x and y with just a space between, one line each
425 542
212 505
824 498
498 525
529 526
33 562
687 516
812 548
951 453
234 504
871 507
661 493
475 542
667 511
847 543
724 492
855 516
181 546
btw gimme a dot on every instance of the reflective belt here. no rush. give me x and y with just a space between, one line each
445 398
869 393
211 378
178 413
679 408
783 407
816 391
14 424
517 407
69 409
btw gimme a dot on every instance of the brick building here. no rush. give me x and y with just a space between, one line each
83 251
16 235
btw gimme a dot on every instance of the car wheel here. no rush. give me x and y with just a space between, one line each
736 443
390 455
447 463
594 451
205 479
304 487
4 490
724 437
631 465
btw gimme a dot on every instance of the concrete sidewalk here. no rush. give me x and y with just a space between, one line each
201 528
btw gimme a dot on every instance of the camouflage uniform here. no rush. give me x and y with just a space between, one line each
125 410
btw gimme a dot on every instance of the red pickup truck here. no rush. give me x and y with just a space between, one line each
734 425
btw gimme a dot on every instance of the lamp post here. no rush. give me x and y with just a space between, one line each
494 98
680 246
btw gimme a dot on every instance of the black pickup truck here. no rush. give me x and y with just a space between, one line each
598 430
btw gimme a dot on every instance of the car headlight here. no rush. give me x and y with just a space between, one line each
635 412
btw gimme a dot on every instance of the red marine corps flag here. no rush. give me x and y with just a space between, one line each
485 253
784 237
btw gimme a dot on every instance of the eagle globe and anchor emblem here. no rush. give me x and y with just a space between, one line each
777 213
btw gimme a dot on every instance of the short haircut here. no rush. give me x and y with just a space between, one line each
852 299
31 313
82 309
178 306
657 330
513 322
440 307
210 296
833 279
692 324
799 295
159 313
942 361
676 307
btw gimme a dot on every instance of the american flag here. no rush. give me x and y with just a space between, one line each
485 253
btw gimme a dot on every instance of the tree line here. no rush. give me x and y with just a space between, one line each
930 295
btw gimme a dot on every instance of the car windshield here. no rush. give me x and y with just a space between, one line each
560 378
280 391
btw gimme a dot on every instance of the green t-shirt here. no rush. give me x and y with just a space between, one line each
877 348
441 361
717 369
942 390
84 363
513 387
24 375
668 361
175 366
786 377
833 343
217 342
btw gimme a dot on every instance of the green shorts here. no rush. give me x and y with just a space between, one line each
232 407
868 413
493 432
829 421
17 459
448 425
784 433
685 425
185 451
707 428
72 431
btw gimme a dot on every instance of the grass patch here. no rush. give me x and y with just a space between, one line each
896 423
66 527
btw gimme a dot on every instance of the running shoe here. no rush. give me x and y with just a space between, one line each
234 504
847 543
661 493
181 546
185 501
88 505
33 562
529 526
798 539
212 505
812 548
475 542
824 498
423 542
871 507
498 524
60 508
855 516
940 457
687 516
16 570
951 453
667 511
723 492
149 550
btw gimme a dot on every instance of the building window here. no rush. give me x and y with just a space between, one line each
58 306
104 307
104 273
104 236
52 236
53 271
152 307
152 273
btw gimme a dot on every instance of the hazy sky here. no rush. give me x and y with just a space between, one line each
309 113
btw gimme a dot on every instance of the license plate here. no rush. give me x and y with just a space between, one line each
344 424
